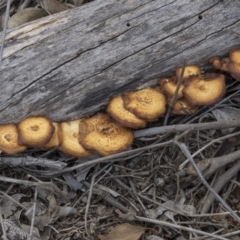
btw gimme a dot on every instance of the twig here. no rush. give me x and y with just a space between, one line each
3 226
184 127
207 145
47 185
212 164
89 198
13 200
31 161
185 150
123 156
174 97
219 184
171 225
5 29
33 214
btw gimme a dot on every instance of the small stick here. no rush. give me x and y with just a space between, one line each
185 150
219 184
171 225
3 226
184 127
174 97
33 214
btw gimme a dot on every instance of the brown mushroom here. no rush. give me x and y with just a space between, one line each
190 70
148 104
9 139
230 64
218 63
204 89
182 107
103 135
55 140
35 131
234 64
125 118
169 85
69 134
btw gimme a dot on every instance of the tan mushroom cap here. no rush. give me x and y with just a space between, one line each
9 139
125 118
234 55
234 64
148 104
55 139
230 64
182 107
168 86
35 131
69 134
103 135
190 70
204 89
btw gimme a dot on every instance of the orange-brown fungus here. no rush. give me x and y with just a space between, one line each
147 104
234 64
35 131
204 89
104 136
125 118
54 141
69 134
9 139
182 107
230 64
190 70
168 86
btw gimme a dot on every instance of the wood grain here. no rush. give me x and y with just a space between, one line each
68 65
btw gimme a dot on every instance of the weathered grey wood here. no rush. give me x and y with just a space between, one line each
68 65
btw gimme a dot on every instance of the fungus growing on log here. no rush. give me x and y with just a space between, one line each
204 89
148 104
182 107
190 70
125 118
168 86
54 141
69 134
230 64
103 135
9 139
35 131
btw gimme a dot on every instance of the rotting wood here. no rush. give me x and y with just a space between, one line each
67 66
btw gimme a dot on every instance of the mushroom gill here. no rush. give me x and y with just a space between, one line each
168 86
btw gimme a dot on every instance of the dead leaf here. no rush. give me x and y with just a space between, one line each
10 207
26 15
226 114
125 232
53 6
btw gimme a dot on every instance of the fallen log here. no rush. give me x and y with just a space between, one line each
68 65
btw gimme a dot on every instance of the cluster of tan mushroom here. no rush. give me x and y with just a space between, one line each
111 132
